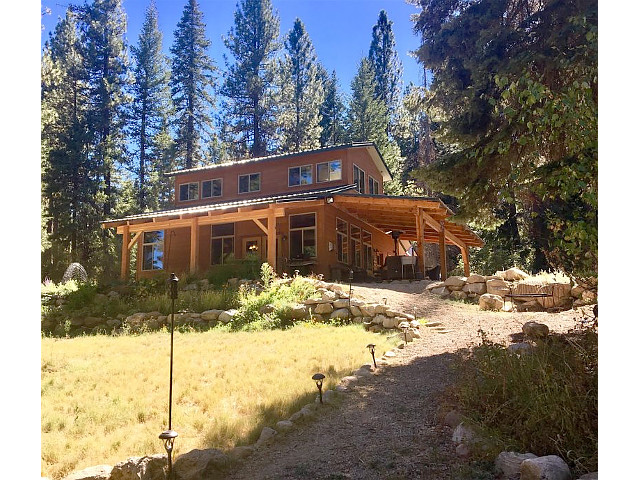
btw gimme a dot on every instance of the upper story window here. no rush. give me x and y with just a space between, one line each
358 178
188 191
329 171
249 183
374 186
300 175
153 250
212 188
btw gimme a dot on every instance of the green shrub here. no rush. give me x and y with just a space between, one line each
248 268
82 297
545 402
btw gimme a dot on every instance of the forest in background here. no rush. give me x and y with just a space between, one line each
505 134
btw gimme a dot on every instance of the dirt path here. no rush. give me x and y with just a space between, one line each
385 427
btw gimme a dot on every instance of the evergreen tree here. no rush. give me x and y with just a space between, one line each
301 92
69 182
249 84
191 80
516 87
332 112
367 116
149 110
385 63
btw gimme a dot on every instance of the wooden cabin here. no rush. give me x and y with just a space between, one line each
321 211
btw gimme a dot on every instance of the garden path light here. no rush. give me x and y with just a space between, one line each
318 377
372 349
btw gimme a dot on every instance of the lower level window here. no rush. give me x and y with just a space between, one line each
222 241
153 250
302 235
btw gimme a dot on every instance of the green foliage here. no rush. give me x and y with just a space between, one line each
332 111
367 117
267 275
248 268
191 80
515 91
545 402
385 62
248 87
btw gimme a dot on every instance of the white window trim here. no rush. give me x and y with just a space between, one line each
300 176
249 184
328 171
153 244
315 230
211 180
189 199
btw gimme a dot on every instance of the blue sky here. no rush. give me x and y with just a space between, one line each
339 29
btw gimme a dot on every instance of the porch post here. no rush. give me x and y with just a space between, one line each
193 260
420 240
271 238
124 261
443 253
465 260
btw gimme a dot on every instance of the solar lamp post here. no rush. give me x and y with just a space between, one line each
318 377
372 349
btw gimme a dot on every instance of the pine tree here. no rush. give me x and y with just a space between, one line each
149 110
191 80
301 92
367 116
332 112
69 182
249 85
385 63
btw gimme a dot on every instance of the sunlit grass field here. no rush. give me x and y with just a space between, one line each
106 398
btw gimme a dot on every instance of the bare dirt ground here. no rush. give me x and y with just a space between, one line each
386 426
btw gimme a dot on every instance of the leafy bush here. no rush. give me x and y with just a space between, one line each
60 289
248 268
545 402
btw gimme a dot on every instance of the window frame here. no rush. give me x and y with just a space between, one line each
374 183
355 244
222 238
210 180
300 167
249 175
367 249
329 179
303 229
360 187
153 249
197 197
342 242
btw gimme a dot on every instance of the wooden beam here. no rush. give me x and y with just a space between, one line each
433 223
443 253
193 258
465 260
420 240
271 240
261 225
124 261
134 240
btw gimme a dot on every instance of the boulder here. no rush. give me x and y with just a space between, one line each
329 396
388 322
241 452
463 450
489 301
329 295
455 282
314 317
453 418
442 291
323 308
341 303
577 290
458 295
93 321
99 472
508 464
227 315
589 476
535 330
497 287
378 319
368 310
342 313
433 285
299 311
357 319
479 288
515 274
266 435
284 425
550 467
140 468
381 309
463 434
198 464
520 348
530 306
267 309
355 311
475 278
210 315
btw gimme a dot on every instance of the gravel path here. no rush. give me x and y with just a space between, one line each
385 426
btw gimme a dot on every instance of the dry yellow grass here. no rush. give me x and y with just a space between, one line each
106 398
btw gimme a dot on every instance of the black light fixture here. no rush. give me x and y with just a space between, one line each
372 349
404 330
318 377
395 234
169 435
